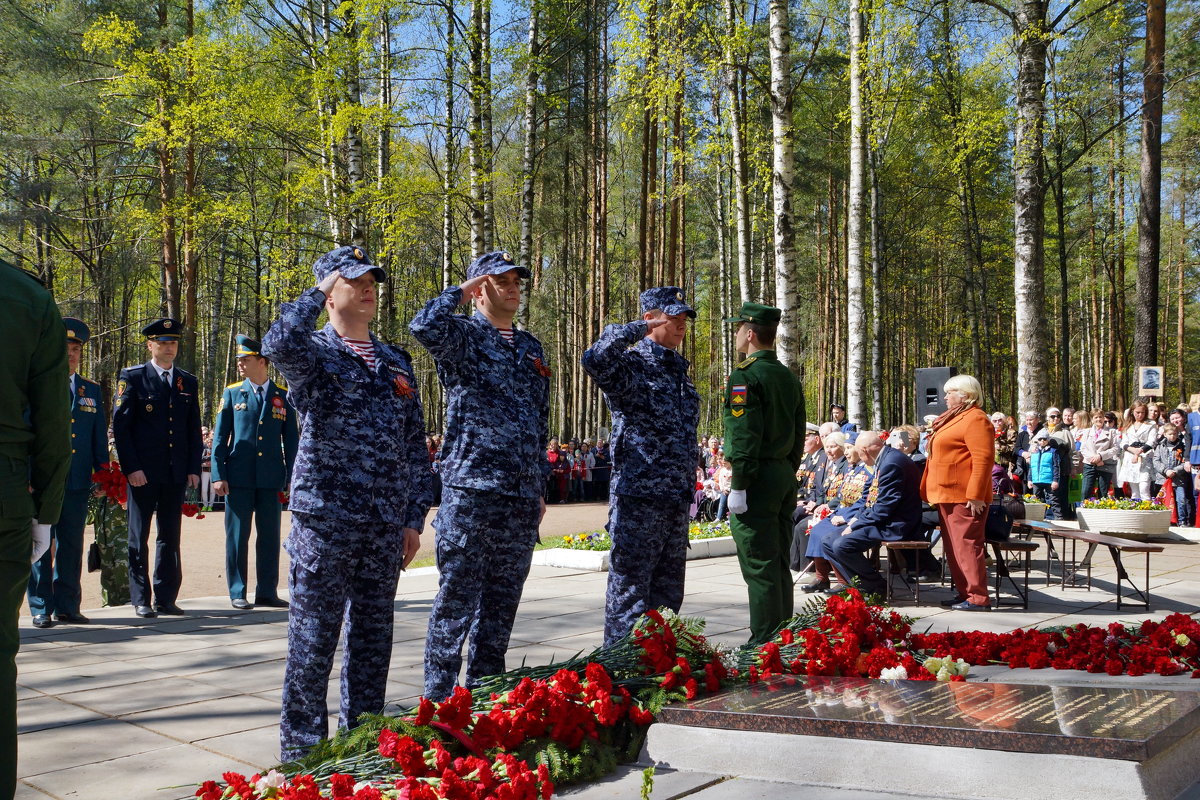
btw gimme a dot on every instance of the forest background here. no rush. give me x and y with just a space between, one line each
1005 186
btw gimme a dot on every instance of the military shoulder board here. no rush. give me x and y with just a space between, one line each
747 362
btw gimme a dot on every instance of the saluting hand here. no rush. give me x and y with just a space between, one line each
651 324
328 281
473 288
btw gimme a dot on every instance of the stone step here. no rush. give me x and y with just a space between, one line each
968 740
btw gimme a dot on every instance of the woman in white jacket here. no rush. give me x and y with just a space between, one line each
1138 436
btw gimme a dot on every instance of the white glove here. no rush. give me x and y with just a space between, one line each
737 501
41 540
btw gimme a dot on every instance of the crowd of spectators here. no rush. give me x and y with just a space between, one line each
579 471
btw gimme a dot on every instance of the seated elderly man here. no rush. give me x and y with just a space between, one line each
888 512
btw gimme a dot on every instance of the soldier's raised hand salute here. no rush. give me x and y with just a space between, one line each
328 281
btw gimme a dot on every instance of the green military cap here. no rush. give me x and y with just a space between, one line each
247 346
757 313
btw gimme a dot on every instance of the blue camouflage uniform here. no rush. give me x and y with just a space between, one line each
254 448
655 410
361 476
54 582
157 431
494 469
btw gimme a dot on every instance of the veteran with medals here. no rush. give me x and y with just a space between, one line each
764 441
254 447
156 424
54 592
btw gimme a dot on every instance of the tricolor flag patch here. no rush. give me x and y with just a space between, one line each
737 394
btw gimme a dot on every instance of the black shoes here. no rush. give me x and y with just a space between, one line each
169 609
270 602
814 587
42 621
952 602
240 604
72 619
145 611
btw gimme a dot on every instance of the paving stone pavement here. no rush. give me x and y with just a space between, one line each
148 708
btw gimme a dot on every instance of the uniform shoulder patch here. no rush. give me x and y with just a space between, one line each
234 385
747 362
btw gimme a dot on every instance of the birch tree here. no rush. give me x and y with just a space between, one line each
786 295
856 310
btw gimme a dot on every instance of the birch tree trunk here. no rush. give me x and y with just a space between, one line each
450 162
876 298
856 312
1029 208
734 76
525 255
786 295
475 136
1145 334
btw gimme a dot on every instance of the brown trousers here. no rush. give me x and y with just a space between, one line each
963 542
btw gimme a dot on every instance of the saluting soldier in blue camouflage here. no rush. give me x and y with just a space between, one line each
655 410
493 468
156 425
54 591
360 490
254 447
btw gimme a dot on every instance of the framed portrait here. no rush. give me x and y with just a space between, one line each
1150 381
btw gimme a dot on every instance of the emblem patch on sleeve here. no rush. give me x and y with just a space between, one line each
737 394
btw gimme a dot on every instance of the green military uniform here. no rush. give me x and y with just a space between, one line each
764 440
35 454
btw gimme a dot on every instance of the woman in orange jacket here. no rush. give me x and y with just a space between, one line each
958 482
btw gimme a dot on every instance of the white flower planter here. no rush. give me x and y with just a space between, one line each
1035 512
598 560
1127 524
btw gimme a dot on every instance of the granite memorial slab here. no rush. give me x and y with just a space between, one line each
1089 721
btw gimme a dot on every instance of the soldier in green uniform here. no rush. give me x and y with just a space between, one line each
35 456
764 440
254 447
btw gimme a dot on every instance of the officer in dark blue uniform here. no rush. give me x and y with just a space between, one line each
54 590
156 424
254 446
493 467
360 489
655 410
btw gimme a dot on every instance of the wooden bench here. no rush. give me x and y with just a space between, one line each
1070 567
894 549
1000 554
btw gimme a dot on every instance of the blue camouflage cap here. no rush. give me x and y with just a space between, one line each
77 331
247 346
350 261
495 263
163 330
668 299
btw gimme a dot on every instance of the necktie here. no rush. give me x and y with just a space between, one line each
71 387
258 393
166 376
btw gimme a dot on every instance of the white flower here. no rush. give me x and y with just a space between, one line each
962 667
358 787
893 673
934 664
945 673
1182 639
270 783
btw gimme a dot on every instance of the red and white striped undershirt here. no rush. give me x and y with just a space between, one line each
365 349
507 333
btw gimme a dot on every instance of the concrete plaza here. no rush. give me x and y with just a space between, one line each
148 708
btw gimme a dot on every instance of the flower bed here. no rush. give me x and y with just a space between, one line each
1134 519
590 551
522 733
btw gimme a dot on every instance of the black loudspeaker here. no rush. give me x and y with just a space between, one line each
930 397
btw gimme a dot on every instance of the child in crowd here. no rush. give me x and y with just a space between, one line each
1045 472
1171 461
